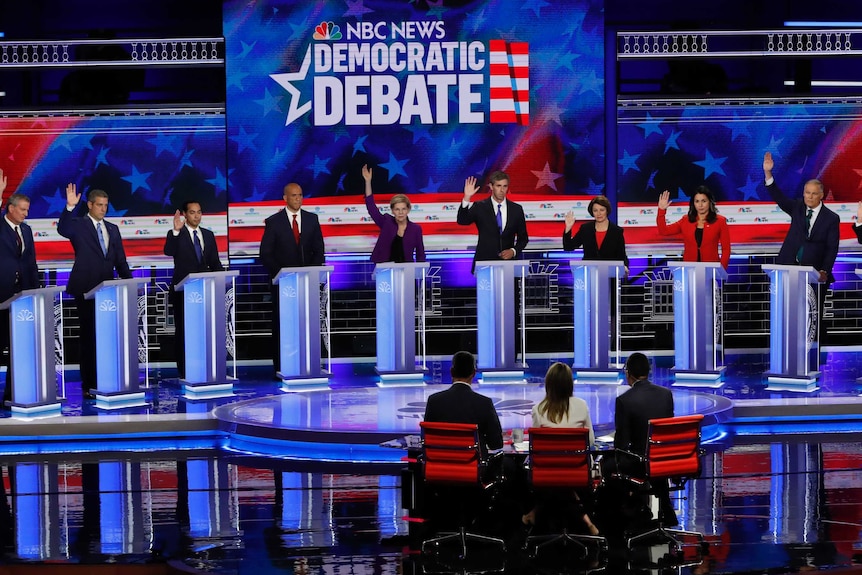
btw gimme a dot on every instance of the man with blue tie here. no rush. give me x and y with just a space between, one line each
194 250
18 265
99 251
500 222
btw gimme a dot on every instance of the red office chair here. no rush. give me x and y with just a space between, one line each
560 463
672 453
452 457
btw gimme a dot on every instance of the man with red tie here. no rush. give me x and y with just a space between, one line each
18 262
194 250
291 238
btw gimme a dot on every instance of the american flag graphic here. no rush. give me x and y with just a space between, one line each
510 82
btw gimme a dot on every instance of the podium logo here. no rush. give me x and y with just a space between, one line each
384 287
194 297
108 305
677 285
288 291
350 209
579 285
25 315
483 285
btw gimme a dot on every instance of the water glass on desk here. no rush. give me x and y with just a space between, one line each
517 435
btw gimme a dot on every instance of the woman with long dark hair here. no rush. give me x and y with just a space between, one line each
702 229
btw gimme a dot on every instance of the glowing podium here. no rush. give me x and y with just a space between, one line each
396 321
495 316
697 335
793 319
31 349
117 363
205 333
299 327
592 317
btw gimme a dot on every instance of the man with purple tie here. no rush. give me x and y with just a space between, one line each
194 250
98 253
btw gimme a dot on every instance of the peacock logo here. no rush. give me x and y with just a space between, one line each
327 31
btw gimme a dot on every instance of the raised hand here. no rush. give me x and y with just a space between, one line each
664 200
470 188
2 182
72 196
178 221
768 164
366 173
570 220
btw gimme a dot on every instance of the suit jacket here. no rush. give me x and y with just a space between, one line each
820 247
858 230
278 249
182 249
16 265
491 242
460 404
613 247
634 408
388 228
713 234
91 267
578 416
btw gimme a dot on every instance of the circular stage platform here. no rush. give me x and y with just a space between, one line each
350 424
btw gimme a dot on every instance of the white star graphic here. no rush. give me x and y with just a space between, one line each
285 81
546 177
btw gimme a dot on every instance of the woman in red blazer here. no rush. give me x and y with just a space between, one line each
702 230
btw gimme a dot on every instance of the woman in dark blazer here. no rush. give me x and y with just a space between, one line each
702 230
602 239
399 239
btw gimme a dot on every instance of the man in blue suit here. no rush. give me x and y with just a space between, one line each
194 250
812 239
98 253
291 238
18 265
500 222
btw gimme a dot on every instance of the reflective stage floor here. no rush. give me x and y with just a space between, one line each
259 481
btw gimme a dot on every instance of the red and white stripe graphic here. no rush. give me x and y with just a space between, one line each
510 82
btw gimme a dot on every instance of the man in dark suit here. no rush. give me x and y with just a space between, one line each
812 239
500 222
18 265
98 252
460 404
194 250
291 238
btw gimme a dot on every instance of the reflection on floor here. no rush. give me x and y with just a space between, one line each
786 505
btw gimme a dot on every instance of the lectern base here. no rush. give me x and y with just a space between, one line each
35 409
501 376
401 379
119 399
598 376
699 379
797 383
298 383
207 390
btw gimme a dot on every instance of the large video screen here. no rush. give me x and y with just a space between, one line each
426 94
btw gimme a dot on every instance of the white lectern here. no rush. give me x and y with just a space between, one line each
31 350
396 321
117 375
592 317
299 327
793 327
205 334
697 335
495 318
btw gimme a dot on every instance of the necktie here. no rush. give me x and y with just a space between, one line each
500 217
198 250
18 241
808 221
295 229
101 239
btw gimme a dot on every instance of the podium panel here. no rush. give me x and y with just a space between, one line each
698 349
31 349
396 320
205 333
117 363
792 328
592 319
495 317
299 327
